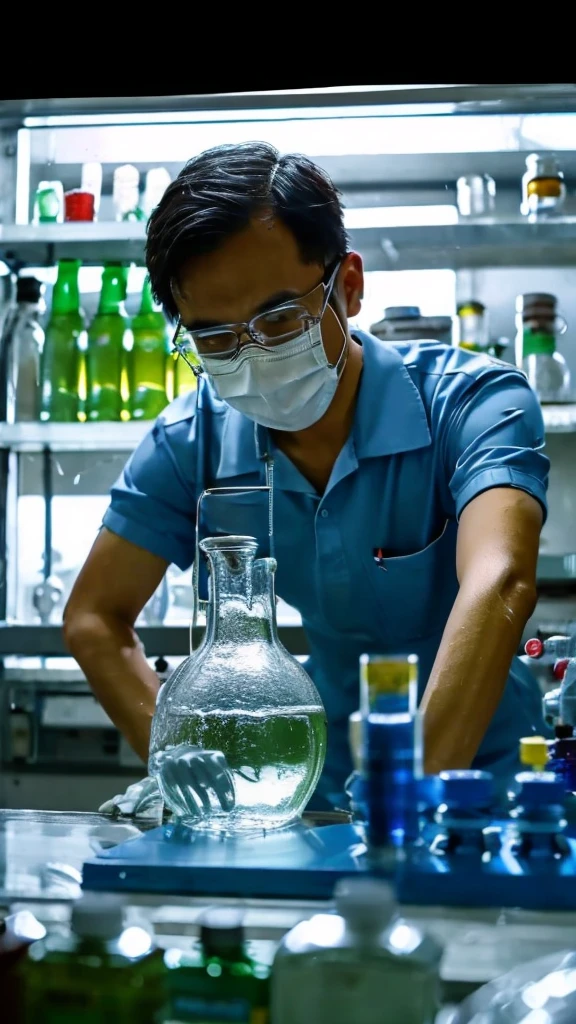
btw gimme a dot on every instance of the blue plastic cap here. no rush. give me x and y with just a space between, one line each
467 788
402 313
539 788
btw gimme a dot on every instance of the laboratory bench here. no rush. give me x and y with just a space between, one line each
41 859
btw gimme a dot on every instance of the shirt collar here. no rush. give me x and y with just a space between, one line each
389 418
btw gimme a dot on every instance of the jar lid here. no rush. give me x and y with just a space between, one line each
365 901
78 205
402 313
221 928
29 289
98 916
538 298
470 307
536 303
543 165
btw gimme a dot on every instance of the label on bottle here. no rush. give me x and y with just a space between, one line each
537 343
196 1010
388 676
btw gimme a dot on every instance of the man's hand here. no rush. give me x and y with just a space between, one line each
497 552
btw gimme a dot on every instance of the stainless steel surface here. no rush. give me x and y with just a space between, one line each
42 853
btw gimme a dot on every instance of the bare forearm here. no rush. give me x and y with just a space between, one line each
468 678
109 653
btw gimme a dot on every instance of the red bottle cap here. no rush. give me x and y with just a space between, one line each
560 667
78 205
534 648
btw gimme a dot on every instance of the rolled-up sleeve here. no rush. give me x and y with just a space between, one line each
494 437
153 502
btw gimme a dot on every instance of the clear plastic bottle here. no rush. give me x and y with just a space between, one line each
240 707
21 350
536 328
363 965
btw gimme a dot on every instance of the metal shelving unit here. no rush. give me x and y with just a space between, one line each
73 437
123 437
487 242
169 641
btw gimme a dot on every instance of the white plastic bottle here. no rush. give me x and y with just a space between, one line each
362 965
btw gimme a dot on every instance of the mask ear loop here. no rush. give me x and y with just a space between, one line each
221 491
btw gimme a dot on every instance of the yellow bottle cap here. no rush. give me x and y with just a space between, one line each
534 752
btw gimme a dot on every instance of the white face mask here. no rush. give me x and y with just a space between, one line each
288 387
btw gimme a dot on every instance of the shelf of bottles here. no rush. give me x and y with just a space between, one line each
73 384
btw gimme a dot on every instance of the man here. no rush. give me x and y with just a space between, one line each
409 480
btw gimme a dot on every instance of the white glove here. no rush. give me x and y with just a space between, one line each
141 800
194 778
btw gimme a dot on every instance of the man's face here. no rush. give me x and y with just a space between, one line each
256 270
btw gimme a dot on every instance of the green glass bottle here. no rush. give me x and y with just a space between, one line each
98 973
220 980
183 378
109 341
60 362
148 361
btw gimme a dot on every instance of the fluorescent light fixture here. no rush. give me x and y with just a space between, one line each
318 137
548 132
399 216
223 116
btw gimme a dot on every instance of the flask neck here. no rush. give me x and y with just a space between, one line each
242 605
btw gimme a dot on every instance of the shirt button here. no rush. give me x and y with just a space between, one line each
324 513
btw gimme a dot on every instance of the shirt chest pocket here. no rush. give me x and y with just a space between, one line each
414 594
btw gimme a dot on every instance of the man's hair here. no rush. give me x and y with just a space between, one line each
218 193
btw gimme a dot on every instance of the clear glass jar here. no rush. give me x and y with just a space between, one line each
543 186
537 324
473 326
239 733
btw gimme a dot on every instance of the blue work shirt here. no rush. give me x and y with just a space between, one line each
434 426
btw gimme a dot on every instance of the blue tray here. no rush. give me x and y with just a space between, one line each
303 862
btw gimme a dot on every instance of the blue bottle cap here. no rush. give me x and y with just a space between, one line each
467 788
539 788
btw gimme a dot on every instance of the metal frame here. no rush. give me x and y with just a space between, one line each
472 98
170 641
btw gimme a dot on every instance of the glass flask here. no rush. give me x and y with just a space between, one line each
239 732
